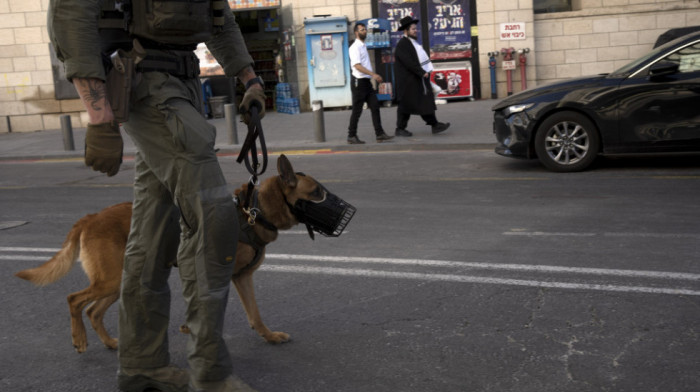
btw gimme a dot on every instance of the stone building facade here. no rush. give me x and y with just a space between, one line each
590 37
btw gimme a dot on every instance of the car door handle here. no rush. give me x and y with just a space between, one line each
655 109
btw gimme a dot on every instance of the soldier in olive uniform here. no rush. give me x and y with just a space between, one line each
178 180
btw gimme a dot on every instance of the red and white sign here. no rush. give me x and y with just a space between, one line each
455 83
508 65
512 31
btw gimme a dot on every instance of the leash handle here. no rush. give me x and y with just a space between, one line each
249 150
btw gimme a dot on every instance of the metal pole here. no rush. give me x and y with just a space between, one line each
230 114
492 69
67 131
319 126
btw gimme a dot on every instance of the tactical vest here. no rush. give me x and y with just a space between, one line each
165 22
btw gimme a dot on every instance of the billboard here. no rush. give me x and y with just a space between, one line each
393 11
449 29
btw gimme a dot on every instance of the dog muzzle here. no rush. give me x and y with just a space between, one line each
328 216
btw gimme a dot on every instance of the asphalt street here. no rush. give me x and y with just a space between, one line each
462 271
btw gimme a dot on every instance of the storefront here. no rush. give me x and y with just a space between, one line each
260 23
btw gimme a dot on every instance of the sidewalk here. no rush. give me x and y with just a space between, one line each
471 128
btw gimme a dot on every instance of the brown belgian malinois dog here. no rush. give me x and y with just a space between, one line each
99 240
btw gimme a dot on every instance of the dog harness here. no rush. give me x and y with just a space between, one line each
249 216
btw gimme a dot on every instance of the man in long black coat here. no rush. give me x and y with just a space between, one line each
414 93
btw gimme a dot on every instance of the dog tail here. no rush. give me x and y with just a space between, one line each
61 263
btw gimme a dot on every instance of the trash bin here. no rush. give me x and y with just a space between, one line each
216 104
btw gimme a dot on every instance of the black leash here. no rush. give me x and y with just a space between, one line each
249 153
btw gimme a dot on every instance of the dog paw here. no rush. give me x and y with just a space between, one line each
80 347
184 329
277 337
112 344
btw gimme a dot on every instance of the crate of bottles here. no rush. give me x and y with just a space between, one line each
283 90
288 105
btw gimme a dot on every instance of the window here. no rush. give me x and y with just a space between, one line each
687 58
546 6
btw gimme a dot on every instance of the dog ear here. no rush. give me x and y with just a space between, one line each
286 172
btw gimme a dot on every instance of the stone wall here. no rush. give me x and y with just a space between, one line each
490 15
599 36
27 100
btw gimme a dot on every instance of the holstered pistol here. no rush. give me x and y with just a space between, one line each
121 78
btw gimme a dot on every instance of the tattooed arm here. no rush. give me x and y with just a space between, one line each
93 93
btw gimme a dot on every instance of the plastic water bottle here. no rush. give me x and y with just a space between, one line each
370 40
386 39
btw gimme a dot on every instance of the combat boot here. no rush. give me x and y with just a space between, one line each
166 379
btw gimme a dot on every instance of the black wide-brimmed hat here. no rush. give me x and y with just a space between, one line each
406 21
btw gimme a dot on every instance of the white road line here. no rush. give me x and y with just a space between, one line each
11 249
583 234
24 258
543 234
475 279
512 267
462 278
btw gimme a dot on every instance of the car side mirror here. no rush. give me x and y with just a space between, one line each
663 68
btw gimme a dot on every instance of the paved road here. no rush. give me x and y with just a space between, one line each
462 271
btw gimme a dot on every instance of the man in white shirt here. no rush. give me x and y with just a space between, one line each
414 93
362 89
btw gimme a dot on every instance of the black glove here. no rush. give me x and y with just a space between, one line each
252 97
104 147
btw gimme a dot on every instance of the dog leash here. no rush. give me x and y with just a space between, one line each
249 154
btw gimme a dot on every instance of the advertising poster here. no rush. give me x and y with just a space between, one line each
454 78
393 11
449 29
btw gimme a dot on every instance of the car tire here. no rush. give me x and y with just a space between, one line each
567 142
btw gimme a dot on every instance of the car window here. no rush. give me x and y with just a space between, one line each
633 69
688 58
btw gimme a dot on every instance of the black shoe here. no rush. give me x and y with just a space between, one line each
355 140
168 378
383 137
439 127
403 132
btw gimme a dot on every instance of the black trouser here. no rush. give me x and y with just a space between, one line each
363 91
402 119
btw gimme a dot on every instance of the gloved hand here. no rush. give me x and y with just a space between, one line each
104 147
253 96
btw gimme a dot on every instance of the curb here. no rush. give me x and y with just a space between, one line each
227 150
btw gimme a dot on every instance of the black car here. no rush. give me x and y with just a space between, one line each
651 105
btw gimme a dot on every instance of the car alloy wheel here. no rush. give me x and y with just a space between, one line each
567 142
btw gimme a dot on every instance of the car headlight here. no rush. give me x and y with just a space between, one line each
510 110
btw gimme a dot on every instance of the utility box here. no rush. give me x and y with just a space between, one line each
328 60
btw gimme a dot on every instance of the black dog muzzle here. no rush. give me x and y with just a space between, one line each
328 216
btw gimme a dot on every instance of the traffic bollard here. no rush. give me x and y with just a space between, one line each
230 114
319 126
67 130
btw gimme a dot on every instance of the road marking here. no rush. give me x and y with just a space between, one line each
16 249
608 234
23 258
453 277
476 279
492 266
